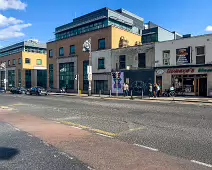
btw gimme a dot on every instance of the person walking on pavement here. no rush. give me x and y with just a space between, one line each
124 89
127 89
158 90
150 90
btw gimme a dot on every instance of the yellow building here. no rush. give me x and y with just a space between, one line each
26 65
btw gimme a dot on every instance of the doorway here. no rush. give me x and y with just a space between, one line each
203 87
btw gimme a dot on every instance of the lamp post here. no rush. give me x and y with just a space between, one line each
87 48
3 65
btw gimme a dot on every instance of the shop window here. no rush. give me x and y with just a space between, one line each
200 55
39 62
142 60
101 63
61 51
101 44
122 62
72 49
27 60
166 57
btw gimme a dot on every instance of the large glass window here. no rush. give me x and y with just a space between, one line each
67 75
42 78
85 75
51 75
11 78
61 51
28 78
122 62
101 43
72 49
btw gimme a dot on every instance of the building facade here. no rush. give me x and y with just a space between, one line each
135 64
185 63
25 65
107 29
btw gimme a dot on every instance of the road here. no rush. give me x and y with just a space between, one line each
19 150
176 129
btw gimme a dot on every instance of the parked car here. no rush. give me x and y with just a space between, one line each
38 91
2 90
18 90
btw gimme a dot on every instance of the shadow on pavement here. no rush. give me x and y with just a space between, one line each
7 153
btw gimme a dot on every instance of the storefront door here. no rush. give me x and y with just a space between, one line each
203 87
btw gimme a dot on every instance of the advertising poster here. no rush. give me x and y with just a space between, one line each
120 84
183 56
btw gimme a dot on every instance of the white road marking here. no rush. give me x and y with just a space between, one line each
104 135
146 147
201 163
65 154
76 127
29 135
17 129
45 143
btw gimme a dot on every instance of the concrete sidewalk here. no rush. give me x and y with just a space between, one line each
138 98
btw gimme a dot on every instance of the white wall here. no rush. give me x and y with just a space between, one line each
106 54
205 40
165 35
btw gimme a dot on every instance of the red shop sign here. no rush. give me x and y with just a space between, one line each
183 71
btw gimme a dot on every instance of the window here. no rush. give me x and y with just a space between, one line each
51 75
27 60
122 62
28 78
101 63
101 44
72 49
166 57
11 78
66 75
39 62
61 51
19 61
8 62
200 55
14 61
142 60
50 53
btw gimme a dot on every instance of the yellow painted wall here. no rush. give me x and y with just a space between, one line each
33 60
118 33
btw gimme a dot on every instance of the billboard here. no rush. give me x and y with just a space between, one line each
183 56
119 76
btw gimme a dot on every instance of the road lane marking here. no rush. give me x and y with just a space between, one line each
66 155
90 129
146 147
4 107
201 163
17 129
104 135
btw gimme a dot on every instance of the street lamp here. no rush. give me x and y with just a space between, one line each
87 48
3 65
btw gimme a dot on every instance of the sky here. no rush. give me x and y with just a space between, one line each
37 19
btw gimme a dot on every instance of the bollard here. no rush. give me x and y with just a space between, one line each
99 93
110 93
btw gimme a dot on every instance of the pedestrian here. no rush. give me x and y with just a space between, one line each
158 90
150 90
127 89
124 89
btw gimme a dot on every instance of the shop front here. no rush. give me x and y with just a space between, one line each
194 81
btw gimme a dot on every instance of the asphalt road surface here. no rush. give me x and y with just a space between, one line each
19 150
180 130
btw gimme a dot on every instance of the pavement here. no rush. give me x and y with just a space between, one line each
117 134
108 97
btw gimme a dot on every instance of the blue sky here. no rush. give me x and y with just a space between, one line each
40 17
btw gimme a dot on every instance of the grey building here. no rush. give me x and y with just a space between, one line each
136 65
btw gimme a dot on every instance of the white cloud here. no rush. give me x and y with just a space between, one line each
13 31
4 21
12 4
208 28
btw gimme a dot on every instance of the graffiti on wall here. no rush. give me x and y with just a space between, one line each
120 82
